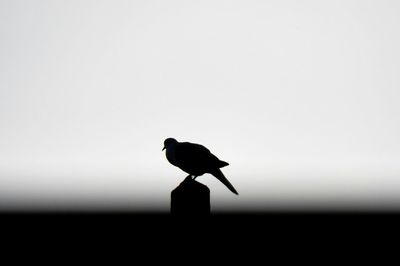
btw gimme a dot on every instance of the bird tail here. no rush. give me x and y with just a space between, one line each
223 164
220 176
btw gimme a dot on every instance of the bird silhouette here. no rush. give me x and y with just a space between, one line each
195 160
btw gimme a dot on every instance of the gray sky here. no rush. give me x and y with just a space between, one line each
300 97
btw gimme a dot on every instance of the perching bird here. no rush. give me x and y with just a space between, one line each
195 160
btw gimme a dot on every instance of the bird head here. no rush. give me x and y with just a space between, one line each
168 142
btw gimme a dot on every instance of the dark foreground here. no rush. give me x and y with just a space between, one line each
164 222
227 237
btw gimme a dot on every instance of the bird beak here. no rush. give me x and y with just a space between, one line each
163 148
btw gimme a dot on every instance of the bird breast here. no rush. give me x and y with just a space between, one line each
170 154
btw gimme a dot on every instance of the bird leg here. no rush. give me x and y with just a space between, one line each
189 177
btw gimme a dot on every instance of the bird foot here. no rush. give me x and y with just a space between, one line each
188 178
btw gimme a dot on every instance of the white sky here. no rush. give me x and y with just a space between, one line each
300 97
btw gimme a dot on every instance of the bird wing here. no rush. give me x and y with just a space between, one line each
195 155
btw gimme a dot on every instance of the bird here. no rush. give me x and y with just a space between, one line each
196 160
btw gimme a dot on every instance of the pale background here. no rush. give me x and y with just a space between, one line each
300 97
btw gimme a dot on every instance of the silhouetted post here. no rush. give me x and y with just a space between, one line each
190 198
